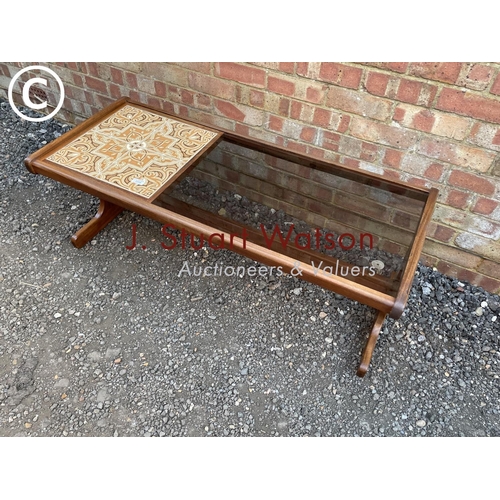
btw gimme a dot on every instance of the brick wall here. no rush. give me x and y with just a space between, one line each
429 124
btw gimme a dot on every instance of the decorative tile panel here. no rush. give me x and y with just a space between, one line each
134 149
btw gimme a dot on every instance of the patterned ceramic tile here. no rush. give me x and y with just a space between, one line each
134 149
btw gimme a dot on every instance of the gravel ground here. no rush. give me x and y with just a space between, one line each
104 341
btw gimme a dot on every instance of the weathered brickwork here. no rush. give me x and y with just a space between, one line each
428 124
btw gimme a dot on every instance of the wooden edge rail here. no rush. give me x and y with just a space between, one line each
414 255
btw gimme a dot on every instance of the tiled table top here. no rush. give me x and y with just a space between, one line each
135 149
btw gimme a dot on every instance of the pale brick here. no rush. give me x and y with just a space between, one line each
479 245
134 67
383 134
359 103
458 154
485 135
454 127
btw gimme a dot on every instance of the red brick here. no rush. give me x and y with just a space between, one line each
392 158
495 88
376 83
315 152
489 268
167 106
257 98
308 134
331 141
78 79
314 94
478 77
434 172
455 271
489 284
240 73
485 206
154 102
344 123
364 105
409 91
181 111
443 233
229 110
496 139
457 199
187 97
89 97
302 68
286 67
212 86
399 114
115 91
322 117
296 110
341 74
202 101
276 123
369 152
116 75
284 106
350 162
465 103
250 116
239 93
471 182
160 89
280 86
399 67
96 84
424 120
447 72
296 146
131 79
91 69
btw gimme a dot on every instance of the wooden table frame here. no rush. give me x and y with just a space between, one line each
162 208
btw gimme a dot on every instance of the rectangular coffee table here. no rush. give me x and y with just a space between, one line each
126 154
129 154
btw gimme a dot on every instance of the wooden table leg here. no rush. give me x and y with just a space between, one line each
370 345
106 213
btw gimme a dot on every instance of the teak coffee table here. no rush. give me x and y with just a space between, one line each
129 155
